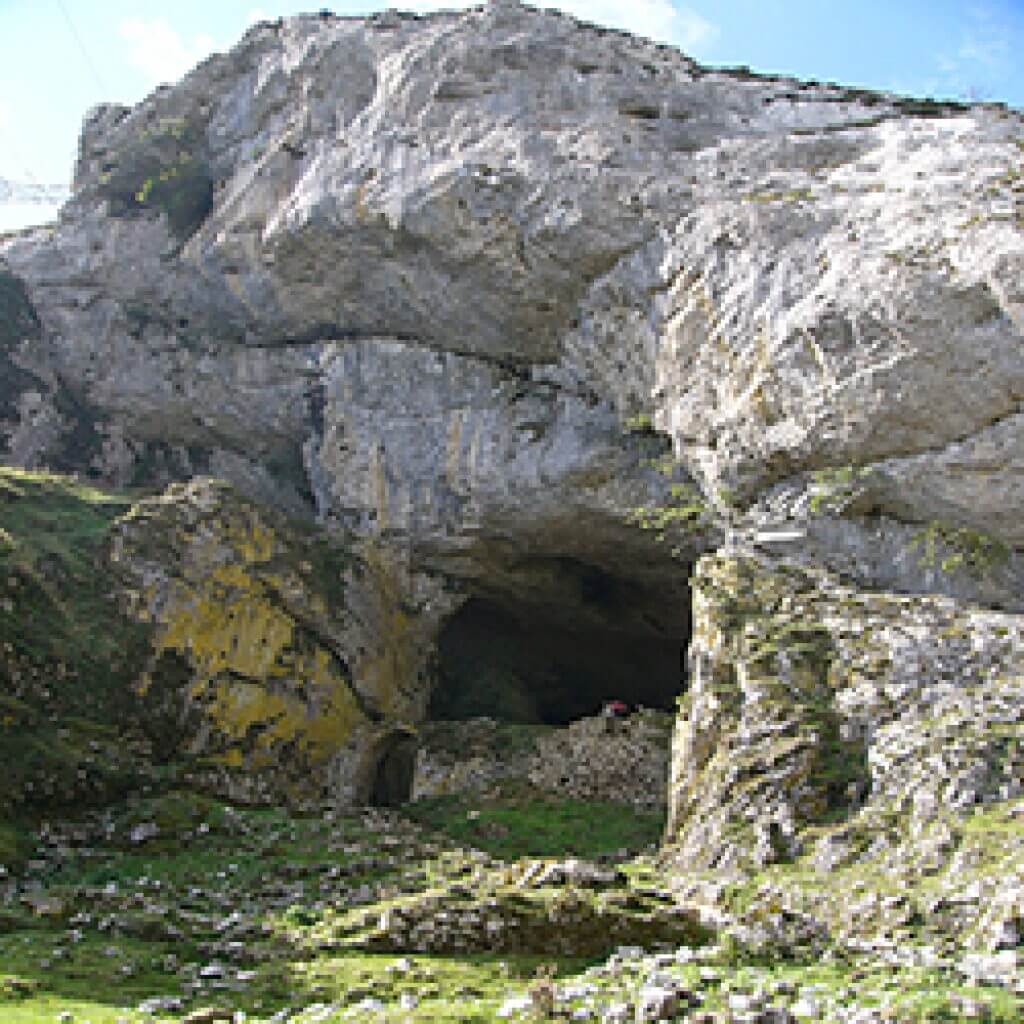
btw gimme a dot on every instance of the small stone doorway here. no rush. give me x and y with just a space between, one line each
391 784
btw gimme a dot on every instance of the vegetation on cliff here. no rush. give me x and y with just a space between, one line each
69 724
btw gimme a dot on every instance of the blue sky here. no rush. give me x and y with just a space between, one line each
59 57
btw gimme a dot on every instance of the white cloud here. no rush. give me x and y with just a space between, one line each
655 19
982 56
5 115
695 30
158 50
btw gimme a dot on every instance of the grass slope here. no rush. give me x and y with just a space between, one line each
66 653
162 906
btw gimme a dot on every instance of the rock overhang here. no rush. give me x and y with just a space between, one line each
448 261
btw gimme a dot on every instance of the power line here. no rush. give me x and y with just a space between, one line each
81 46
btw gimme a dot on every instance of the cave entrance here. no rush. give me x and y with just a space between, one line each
560 648
393 771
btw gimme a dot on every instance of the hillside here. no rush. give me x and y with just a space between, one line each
394 396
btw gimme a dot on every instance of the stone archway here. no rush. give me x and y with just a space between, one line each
392 768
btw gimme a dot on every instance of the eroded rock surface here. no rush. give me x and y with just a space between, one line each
872 736
490 287
413 273
808 698
291 656
622 760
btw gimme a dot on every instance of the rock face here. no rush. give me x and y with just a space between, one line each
811 702
279 662
414 273
488 289
300 657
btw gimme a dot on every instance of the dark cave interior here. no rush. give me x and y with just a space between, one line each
554 655
552 641
395 764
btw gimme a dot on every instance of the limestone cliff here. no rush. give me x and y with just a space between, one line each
196 627
872 736
490 289
414 273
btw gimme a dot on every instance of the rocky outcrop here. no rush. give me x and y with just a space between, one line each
414 273
620 760
573 907
810 702
492 288
273 661
290 657
831 730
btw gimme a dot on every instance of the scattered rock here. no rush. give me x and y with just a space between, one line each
209 1015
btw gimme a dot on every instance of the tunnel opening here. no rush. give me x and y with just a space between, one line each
560 646
393 771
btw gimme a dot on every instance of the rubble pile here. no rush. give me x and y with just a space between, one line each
623 760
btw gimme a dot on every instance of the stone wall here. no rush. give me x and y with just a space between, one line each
582 761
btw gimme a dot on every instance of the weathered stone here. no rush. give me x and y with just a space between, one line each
658 1003
582 761
489 289
808 698
531 231
209 1015
293 658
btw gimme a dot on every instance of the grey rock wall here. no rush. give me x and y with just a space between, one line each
417 272
457 281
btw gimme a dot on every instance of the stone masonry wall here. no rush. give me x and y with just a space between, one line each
581 761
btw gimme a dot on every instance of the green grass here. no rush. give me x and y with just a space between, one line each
55 606
67 655
128 921
210 860
529 824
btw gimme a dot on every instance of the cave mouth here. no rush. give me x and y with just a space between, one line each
553 656
394 767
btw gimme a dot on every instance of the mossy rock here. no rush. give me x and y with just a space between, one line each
180 813
13 988
183 191
162 167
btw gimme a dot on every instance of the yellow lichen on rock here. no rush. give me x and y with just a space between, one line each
264 684
316 724
258 688
391 667
226 624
